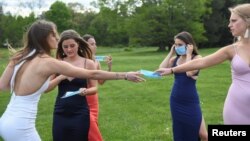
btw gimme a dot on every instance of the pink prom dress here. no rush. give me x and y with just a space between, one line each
237 104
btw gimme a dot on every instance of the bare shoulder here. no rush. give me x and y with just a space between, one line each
90 61
98 65
49 61
90 64
51 65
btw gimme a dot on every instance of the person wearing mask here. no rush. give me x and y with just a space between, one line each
236 106
188 123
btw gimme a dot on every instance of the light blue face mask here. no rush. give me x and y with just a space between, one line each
181 50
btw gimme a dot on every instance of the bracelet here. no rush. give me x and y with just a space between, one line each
126 76
172 71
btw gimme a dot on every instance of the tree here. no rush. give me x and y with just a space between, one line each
216 23
109 27
157 21
60 14
14 28
81 17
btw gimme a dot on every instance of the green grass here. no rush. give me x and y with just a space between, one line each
138 111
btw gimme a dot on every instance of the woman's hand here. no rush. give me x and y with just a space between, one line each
109 62
62 77
83 91
190 49
134 77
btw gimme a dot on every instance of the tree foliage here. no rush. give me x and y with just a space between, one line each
131 22
60 14
163 19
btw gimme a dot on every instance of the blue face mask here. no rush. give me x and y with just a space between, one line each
181 50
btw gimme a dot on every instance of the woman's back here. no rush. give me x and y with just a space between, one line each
31 76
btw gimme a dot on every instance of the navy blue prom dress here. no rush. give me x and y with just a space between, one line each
71 115
185 108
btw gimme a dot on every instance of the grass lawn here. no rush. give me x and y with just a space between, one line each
138 111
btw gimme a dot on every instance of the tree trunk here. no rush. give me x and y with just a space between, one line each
161 49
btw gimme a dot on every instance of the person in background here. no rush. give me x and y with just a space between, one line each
188 122
90 39
93 102
236 107
27 76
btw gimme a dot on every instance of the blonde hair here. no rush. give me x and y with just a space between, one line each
243 10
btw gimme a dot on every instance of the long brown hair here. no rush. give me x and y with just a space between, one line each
83 51
35 39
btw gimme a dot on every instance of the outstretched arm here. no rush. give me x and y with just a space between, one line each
216 58
6 77
59 67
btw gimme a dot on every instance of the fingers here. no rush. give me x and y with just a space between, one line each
83 91
190 46
109 60
173 46
135 77
62 77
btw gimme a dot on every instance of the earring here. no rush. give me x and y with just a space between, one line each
247 33
238 38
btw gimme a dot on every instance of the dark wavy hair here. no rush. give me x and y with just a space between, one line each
83 51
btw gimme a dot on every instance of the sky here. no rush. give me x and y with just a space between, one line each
13 6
